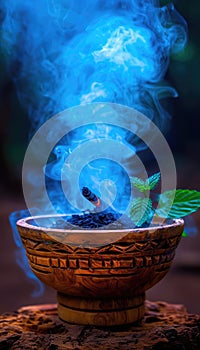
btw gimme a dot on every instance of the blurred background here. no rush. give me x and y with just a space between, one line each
182 284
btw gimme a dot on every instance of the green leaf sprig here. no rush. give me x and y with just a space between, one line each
142 210
146 185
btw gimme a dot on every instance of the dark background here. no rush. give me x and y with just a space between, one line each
182 284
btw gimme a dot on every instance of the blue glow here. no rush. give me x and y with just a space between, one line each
190 226
63 53
20 253
67 53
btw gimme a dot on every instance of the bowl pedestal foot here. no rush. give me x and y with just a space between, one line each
100 312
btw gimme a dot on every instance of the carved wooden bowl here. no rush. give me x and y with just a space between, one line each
100 276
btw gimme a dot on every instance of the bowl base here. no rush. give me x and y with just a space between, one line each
100 312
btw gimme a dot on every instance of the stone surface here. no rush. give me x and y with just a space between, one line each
165 326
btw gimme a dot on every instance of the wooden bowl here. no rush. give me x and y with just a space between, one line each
100 276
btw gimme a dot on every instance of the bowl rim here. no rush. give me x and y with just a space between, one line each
24 223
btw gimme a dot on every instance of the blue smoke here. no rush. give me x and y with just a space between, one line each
20 253
66 53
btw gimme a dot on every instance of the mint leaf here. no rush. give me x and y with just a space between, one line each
153 180
138 183
146 185
166 200
185 202
140 211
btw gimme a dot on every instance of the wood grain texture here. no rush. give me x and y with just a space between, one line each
164 326
101 312
122 270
